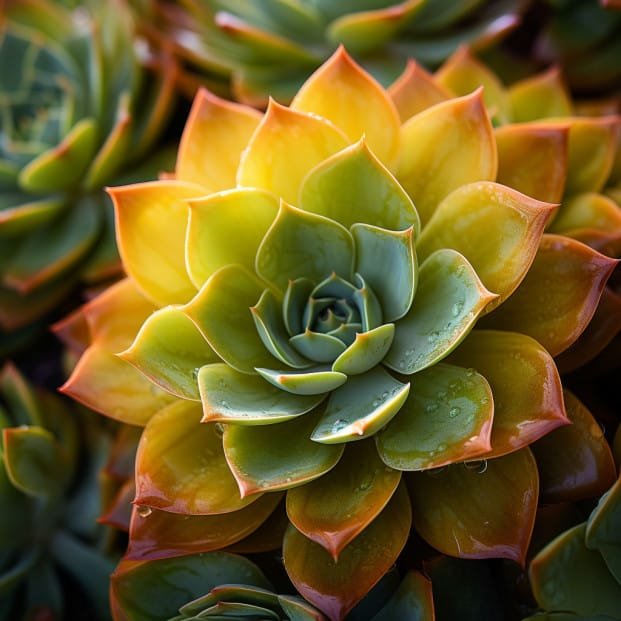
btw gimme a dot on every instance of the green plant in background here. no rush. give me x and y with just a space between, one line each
55 560
79 109
269 48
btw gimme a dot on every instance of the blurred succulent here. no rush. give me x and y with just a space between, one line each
275 296
271 47
72 84
55 559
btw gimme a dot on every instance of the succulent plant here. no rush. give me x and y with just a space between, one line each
55 560
72 84
292 323
271 47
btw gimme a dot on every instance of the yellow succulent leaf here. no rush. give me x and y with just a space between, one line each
445 147
540 97
342 92
216 133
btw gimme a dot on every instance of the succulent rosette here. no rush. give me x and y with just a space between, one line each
80 109
299 320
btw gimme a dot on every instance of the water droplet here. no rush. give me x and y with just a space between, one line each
457 308
402 363
479 466
454 412
195 371
441 447
384 394
224 403
432 337
143 511
376 403
470 372
339 424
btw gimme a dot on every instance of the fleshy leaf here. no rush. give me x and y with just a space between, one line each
446 418
302 244
557 298
318 346
193 478
285 146
335 588
540 97
448 301
274 457
155 534
575 462
496 228
169 349
413 600
445 147
218 219
368 350
588 210
231 593
532 159
486 512
354 186
342 92
294 303
387 261
232 397
528 399
221 311
361 407
334 509
151 221
315 381
566 575
215 134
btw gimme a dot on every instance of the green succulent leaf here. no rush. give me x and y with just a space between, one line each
299 610
368 304
367 351
294 303
232 397
447 417
413 600
448 301
317 346
245 594
361 407
315 381
304 244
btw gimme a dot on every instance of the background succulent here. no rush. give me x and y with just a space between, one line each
55 560
72 85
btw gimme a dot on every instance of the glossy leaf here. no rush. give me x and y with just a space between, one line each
528 398
294 303
194 478
496 228
588 210
317 346
314 381
367 350
445 147
479 514
232 593
446 418
448 301
276 457
413 600
540 97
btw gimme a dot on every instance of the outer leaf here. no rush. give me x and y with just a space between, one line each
181 467
301 244
557 298
446 418
220 218
473 514
169 350
215 135
275 457
342 92
588 211
496 228
431 166
336 508
285 146
335 588
540 97
528 399
413 600
448 301
151 223
354 186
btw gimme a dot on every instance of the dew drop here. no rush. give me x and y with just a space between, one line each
195 371
376 403
143 511
470 372
339 424
385 394
454 412
432 337
457 308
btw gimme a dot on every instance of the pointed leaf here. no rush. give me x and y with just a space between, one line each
151 223
299 610
284 147
496 228
169 350
557 298
314 381
221 311
413 600
336 508
485 513
215 135
232 397
367 351
181 467
342 92
540 97
276 457
432 166
317 346
588 210
446 418
335 588
230 592
449 299
301 244
219 218
528 399
295 300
